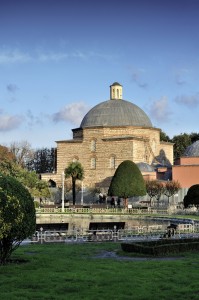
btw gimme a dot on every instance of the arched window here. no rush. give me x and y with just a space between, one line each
93 163
93 145
113 93
112 162
118 94
51 183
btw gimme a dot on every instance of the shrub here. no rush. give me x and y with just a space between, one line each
192 197
162 247
17 216
127 181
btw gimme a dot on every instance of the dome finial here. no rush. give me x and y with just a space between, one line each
115 91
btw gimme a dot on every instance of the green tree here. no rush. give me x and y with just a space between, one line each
76 172
17 216
194 137
192 197
127 181
43 161
171 188
181 142
164 137
9 167
36 186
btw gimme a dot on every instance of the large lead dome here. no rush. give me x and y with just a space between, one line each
192 150
116 112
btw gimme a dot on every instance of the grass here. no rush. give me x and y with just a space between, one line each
71 271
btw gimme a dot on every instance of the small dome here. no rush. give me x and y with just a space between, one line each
116 113
192 150
144 167
116 83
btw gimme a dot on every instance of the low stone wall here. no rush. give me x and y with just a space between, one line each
82 218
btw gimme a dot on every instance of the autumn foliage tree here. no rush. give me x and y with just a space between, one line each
154 189
9 167
171 188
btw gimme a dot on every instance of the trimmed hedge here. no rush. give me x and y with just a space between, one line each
162 247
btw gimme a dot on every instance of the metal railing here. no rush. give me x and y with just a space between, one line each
57 236
104 235
102 210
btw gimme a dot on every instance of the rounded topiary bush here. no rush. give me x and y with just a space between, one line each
127 181
192 197
17 215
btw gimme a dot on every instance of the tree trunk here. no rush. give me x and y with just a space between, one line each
74 190
126 202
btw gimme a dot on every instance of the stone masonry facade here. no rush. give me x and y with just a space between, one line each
100 150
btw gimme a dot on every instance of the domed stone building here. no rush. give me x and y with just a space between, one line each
186 169
111 132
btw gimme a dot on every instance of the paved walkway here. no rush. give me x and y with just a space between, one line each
113 255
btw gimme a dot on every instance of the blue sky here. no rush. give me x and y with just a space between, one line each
58 59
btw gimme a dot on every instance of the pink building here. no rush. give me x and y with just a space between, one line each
186 169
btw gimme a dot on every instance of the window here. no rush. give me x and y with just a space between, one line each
93 163
112 162
118 94
93 145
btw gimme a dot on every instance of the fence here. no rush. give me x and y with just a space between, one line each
72 236
102 210
133 233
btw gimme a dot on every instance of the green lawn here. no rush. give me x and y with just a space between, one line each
71 271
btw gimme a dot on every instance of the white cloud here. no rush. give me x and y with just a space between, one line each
160 110
59 56
189 101
73 113
8 122
44 57
13 56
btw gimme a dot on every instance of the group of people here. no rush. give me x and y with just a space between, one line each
171 230
114 202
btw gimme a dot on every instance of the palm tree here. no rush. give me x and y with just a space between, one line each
76 172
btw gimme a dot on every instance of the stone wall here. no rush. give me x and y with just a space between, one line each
101 149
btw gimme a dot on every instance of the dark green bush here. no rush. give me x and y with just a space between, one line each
192 197
17 215
127 181
162 247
